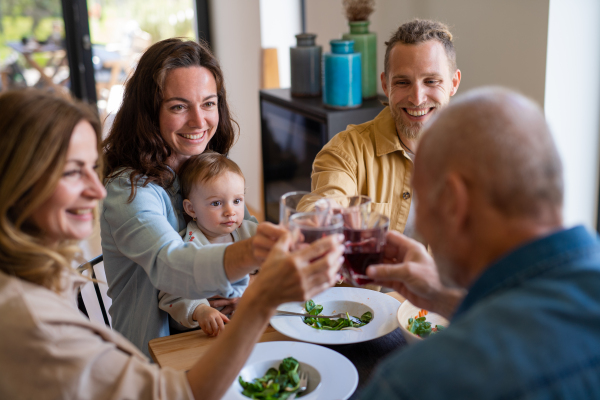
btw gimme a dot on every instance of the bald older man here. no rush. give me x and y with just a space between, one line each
489 183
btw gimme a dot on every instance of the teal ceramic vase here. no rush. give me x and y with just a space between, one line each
342 84
305 66
365 43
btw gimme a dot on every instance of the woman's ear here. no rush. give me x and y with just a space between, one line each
188 207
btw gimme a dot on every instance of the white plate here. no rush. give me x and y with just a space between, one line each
334 376
355 301
408 310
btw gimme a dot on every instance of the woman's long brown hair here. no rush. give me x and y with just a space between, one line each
35 132
134 141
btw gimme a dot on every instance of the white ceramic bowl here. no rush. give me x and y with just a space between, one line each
259 369
335 300
330 374
408 310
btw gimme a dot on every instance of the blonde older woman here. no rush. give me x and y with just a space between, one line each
49 187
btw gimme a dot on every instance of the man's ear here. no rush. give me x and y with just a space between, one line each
189 208
455 203
455 82
384 85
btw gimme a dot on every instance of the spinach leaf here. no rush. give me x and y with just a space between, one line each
366 317
288 364
329 324
422 328
276 383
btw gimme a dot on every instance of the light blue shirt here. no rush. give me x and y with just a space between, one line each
143 254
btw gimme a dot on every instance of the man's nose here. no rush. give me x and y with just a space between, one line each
418 94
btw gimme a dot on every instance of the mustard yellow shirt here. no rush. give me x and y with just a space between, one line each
368 159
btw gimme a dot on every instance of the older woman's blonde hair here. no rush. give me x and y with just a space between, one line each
35 131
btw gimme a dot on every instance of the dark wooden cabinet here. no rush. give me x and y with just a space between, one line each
293 131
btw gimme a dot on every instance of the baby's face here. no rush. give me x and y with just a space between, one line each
218 204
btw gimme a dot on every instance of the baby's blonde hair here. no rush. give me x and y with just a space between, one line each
203 168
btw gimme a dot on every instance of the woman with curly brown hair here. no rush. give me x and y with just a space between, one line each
49 187
174 107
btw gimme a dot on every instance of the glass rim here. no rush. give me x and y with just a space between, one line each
386 223
294 224
366 203
290 194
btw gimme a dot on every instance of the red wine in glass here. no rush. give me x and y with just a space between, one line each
314 226
363 248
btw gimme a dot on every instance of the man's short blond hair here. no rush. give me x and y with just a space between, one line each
419 31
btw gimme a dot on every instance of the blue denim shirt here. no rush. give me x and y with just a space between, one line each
528 328
143 254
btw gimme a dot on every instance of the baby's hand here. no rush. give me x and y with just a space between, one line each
211 321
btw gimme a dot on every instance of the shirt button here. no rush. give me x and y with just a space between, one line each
406 195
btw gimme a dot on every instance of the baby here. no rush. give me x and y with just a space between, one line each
212 187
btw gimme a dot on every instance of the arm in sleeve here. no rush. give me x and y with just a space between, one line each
78 363
141 232
180 309
335 168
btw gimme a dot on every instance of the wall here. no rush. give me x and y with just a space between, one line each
520 44
280 22
572 102
497 42
235 32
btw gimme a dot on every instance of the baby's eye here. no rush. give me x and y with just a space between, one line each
237 201
215 203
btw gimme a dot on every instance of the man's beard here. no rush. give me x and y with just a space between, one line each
409 129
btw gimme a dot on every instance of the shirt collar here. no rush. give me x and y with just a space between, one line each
386 137
528 261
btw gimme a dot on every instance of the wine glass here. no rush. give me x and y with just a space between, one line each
364 241
307 227
288 205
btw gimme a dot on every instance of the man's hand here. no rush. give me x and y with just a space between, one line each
211 321
411 271
267 234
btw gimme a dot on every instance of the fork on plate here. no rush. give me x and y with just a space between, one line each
302 385
289 313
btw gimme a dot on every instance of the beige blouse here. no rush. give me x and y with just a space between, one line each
49 350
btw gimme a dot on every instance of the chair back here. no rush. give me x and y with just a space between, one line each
94 295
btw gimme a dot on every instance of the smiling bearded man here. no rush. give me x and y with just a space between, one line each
376 158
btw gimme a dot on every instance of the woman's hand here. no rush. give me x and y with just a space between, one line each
267 234
299 275
412 272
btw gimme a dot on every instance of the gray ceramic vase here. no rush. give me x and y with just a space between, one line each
305 63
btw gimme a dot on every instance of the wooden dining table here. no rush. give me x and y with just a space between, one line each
182 351
58 58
